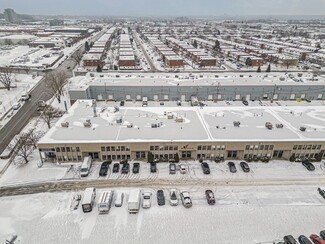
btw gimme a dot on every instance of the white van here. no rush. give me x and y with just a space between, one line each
86 165
119 199
144 102
88 200
105 201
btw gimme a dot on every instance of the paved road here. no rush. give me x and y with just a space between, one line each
151 64
72 185
28 110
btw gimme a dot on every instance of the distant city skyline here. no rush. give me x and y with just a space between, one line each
153 8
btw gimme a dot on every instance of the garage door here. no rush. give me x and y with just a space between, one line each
155 97
292 96
248 97
183 97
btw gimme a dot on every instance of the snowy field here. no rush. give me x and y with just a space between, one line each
244 215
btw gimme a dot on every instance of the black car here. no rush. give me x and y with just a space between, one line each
104 168
321 192
205 168
245 102
125 168
153 167
322 234
116 168
289 240
244 166
122 103
160 197
136 168
304 240
308 165
232 167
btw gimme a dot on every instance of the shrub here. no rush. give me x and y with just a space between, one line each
292 158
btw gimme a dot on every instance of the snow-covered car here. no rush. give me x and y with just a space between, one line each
186 199
182 168
173 197
146 201
25 97
210 197
16 106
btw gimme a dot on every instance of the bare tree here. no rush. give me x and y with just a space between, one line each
49 114
56 81
6 77
77 56
25 144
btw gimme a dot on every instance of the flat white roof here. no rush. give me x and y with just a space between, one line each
209 123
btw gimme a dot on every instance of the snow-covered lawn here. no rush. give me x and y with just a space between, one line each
243 215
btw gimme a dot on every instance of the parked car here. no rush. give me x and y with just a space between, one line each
316 239
308 165
186 199
210 197
173 197
119 199
125 168
244 166
104 168
122 103
136 168
146 201
232 167
153 167
182 168
16 106
116 168
304 240
205 168
289 240
321 192
25 97
245 102
160 197
172 168
322 234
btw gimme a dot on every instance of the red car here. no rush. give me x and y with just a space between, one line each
316 239
210 197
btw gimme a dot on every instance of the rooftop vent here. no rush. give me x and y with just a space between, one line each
269 125
129 125
65 124
119 120
179 119
302 128
170 116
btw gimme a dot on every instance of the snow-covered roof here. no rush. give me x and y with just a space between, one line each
199 124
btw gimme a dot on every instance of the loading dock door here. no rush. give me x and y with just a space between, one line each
248 97
183 98
275 97
292 96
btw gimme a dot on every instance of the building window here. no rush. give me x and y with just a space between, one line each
165 148
208 148
175 148
295 147
278 154
113 157
213 147
152 148
104 157
128 156
171 148
299 147
156 148
314 147
118 148
261 147
308 147
113 149
62 149
57 149
139 155
232 154
108 149
186 154
127 148
319 147
199 148
245 156
79 158
68 149
204 148
73 149
271 147
102 149
122 148
304 147
266 147
78 149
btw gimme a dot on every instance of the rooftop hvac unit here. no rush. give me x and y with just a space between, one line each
279 125
65 124
269 125
119 121
170 116
130 125
236 123
179 119
87 123
302 128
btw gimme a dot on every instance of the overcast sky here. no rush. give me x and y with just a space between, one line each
166 7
